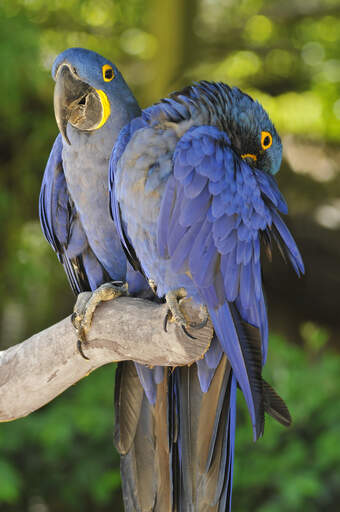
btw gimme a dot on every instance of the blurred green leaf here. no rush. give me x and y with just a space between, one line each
10 483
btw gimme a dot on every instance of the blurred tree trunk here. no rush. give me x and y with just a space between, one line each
171 22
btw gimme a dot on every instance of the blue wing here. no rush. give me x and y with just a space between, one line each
214 213
62 227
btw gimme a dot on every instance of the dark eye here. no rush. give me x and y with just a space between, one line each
266 140
108 73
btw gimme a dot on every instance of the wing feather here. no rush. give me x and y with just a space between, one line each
210 226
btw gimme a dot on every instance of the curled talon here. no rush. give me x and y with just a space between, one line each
166 319
165 325
187 333
80 349
174 299
200 325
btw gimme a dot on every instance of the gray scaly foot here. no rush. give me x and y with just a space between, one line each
174 314
86 305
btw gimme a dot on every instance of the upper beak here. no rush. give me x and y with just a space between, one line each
68 91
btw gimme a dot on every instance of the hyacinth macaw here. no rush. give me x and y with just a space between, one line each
92 103
194 198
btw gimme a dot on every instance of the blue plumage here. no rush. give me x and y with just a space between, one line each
74 202
62 227
205 222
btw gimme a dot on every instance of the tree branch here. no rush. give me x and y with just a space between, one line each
35 371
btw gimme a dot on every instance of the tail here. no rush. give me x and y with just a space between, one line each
142 439
176 456
203 451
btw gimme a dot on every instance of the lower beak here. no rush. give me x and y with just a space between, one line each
68 91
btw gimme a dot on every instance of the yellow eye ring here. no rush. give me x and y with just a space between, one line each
108 73
266 140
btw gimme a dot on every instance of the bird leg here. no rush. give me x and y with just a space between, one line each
86 305
174 313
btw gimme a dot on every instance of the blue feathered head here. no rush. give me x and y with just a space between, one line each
247 124
252 133
89 89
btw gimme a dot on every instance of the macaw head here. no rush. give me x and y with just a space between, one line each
89 91
252 133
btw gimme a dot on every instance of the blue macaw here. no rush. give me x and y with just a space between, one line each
90 111
193 197
92 103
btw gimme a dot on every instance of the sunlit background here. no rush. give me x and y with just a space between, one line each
285 54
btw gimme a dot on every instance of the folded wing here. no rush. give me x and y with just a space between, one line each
214 213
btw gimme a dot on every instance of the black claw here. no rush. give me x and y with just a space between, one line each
165 321
80 349
187 333
73 317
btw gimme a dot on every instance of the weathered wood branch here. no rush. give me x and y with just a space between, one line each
35 371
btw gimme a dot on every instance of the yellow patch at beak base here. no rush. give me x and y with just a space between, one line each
105 106
249 155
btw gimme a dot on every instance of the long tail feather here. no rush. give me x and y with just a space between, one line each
275 406
142 439
177 455
205 443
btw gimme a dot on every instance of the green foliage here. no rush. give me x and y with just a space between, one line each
64 453
294 469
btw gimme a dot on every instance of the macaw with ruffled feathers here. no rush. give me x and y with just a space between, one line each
194 199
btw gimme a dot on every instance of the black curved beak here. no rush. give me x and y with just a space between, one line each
68 92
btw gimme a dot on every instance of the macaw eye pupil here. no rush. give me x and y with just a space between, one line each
108 73
266 141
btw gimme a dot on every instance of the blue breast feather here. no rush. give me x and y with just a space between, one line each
62 228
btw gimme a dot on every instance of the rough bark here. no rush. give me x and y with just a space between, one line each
35 371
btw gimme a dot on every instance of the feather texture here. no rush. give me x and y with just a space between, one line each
63 229
205 441
203 212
